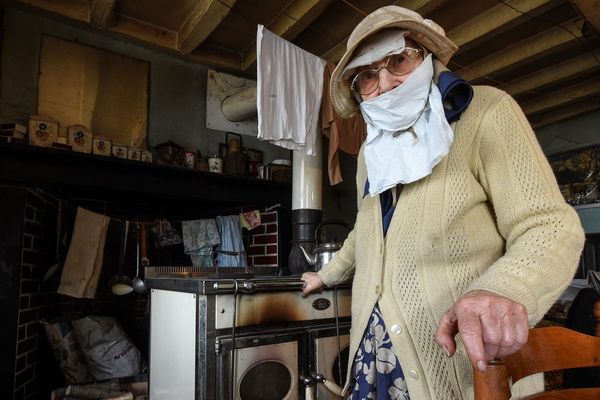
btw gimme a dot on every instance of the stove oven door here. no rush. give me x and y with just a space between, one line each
325 360
266 367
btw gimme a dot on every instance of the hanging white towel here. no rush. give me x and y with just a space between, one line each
289 90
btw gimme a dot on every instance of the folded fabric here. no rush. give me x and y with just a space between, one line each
231 242
85 255
289 89
250 219
199 238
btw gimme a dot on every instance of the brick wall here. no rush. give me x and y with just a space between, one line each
263 242
37 298
35 371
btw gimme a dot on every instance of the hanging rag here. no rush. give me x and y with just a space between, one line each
199 238
231 242
346 135
250 219
85 255
289 89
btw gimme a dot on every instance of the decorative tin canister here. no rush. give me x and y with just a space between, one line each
189 159
43 131
134 154
119 151
102 147
80 138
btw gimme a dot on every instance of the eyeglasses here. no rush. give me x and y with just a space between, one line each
367 81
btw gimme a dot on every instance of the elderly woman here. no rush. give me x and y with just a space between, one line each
461 228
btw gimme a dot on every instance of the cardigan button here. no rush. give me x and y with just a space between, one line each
377 289
396 329
414 375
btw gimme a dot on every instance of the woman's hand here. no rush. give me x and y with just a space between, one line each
312 282
491 326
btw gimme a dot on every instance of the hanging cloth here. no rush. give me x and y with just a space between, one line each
289 89
344 134
199 238
231 242
85 255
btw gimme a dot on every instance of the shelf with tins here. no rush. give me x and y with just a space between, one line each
110 179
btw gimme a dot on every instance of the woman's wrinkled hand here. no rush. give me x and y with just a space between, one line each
491 327
312 282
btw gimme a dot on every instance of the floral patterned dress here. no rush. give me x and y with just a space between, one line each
376 370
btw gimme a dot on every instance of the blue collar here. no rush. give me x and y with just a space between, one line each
456 94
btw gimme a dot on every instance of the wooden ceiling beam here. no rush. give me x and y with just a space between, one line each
144 32
554 73
217 58
202 21
293 20
569 94
523 50
491 20
102 13
590 9
422 6
76 9
564 113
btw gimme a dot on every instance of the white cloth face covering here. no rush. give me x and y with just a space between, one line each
407 132
289 90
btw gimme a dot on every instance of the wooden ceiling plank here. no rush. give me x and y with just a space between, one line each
297 17
564 113
519 52
217 58
562 96
144 32
76 9
336 53
294 19
203 20
102 13
590 9
554 73
421 6
492 19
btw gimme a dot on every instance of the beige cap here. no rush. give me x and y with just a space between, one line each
425 32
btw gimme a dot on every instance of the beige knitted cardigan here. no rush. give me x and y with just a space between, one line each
490 216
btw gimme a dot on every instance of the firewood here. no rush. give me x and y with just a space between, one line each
95 392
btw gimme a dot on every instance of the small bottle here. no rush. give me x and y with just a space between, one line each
235 161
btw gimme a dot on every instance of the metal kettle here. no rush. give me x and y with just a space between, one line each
324 251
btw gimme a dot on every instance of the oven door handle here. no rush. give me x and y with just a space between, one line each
256 285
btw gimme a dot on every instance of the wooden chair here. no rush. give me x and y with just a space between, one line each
547 349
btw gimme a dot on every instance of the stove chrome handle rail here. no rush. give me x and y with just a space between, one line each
329 384
252 286
308 390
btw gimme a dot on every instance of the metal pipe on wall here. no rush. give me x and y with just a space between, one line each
240 106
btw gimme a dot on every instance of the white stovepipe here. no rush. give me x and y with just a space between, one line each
307 179
240 106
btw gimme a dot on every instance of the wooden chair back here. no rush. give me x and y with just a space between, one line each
547 349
